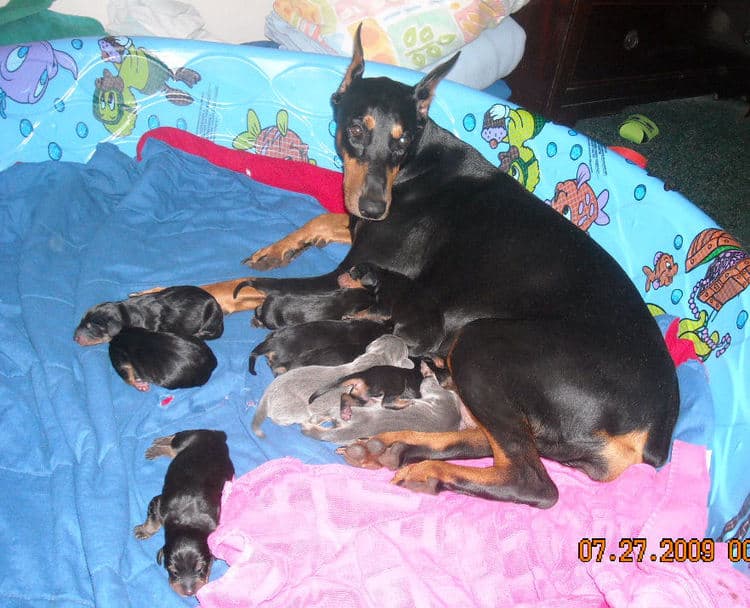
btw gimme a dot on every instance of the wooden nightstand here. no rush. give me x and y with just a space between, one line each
585 58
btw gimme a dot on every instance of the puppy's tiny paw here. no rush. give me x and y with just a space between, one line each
140 385
310 430
161 446
152 453
141 532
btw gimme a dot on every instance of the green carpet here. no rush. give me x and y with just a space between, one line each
702 150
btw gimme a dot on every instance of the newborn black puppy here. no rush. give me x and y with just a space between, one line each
386 287
189 504
280 310
185 310
316 343
143 357
393 386
416 317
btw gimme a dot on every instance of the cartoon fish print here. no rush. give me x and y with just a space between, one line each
663 272
514 127
114 102
27 69
576 200
277 141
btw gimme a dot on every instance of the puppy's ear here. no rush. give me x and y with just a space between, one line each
109 317
160 556
113 326
424 91
356 67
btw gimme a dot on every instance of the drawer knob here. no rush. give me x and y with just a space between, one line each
631 40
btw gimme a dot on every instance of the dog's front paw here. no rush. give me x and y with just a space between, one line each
273 256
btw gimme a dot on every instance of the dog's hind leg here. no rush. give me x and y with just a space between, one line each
547 388
516 474
153 520
396 448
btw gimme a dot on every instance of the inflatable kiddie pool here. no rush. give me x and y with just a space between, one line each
75 472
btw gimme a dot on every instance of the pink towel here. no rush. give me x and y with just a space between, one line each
332 535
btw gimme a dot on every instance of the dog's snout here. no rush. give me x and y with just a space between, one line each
372 208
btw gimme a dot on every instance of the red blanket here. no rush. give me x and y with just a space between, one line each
324 185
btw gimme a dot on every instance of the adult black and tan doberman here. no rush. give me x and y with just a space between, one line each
550 346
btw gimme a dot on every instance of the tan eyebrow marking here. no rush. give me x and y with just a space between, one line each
369 121
397 131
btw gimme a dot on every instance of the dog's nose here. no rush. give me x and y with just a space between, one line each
372 209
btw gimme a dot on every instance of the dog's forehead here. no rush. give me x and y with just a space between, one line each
391 100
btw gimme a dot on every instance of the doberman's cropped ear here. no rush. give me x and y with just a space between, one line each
356 67
425 89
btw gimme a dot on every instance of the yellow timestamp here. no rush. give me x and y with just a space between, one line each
633 549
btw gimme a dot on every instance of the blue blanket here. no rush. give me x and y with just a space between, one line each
73 479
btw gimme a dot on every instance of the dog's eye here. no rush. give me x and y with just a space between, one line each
401 143
356 131
399 146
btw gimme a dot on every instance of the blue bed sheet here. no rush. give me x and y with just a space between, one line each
73 479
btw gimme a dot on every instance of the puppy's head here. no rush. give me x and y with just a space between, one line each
99 324
187 559
392 349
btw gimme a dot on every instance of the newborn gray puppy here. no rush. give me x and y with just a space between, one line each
285 401
437 410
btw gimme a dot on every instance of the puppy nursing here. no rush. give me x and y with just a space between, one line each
287 399
378 391
326 343
436 410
